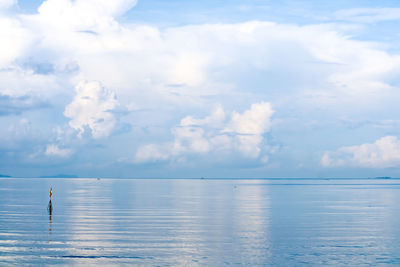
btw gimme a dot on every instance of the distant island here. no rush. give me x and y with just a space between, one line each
60 176
3 175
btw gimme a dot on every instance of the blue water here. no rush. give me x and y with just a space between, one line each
200 222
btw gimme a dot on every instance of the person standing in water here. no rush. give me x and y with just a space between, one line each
50 206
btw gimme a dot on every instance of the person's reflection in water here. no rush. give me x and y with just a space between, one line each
50 211
50 208
50 224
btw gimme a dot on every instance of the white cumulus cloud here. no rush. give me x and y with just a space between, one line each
14 40
83 14
384 153
242 132
92 108
160 70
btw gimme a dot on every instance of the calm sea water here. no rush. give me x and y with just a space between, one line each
200 222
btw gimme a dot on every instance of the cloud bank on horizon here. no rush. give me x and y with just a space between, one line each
107 88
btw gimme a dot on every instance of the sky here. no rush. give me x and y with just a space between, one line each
189 89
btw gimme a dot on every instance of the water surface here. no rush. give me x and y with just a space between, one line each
200 222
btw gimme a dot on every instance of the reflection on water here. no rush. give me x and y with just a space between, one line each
50 207
50 212
50 225
199 222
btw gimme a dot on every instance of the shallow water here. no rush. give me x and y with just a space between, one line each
200 222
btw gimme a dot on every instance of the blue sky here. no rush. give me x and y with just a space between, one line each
199 89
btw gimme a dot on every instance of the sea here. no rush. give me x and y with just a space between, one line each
200 222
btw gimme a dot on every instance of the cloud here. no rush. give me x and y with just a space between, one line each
15 38
162 72
368 15
7 3
54 150
254 121
16 105
205 59
21 138
19 131
92 107
188 69
243 133
384 153
83 15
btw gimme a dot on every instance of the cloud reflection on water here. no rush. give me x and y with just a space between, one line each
199 222
176 221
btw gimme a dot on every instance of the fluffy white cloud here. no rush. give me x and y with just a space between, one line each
243 133
161 71
254 121
92 107
216 119
14 40
384 153
83 40
7 3
83 14
203 59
